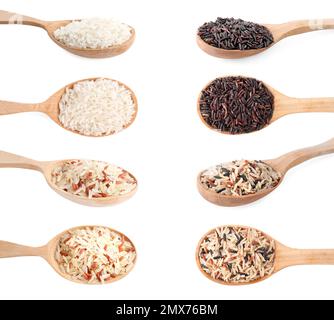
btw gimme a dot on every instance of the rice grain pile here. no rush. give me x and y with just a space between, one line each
93 179
96 107
235 34
94 255
240 178
236 105
234 254
95 33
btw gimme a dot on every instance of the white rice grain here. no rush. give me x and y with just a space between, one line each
96 107
95 33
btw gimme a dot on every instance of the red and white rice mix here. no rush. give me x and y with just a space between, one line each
239 178
93 179
95 254
234 254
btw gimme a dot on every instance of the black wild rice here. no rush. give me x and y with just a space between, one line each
236 105
235 34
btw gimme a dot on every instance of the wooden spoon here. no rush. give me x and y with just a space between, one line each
52 26
281 165
47 252
279 32
51 106
9 160
283 105
284 257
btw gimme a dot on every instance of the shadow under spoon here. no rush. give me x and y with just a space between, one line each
52 26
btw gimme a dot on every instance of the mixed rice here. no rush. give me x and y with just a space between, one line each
234 254
95 255
240 178
93 179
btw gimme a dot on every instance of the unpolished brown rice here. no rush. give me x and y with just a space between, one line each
240 178
235 254
94 254
93 179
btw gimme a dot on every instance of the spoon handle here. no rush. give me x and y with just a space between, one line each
294 257
285 105
15 18
8 250
7 107
9 160
292 159
281 31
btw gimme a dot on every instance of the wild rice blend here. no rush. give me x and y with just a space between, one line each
236 105
235 254
240 178
235 34
94 255
93 179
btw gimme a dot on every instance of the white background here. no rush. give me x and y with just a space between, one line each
165 148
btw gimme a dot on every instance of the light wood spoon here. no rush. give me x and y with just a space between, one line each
47 252
9 160
52 26
284 257
283 105
281 165
51 106
279 32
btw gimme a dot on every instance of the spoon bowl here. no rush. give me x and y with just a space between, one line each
47 252
278 31
51 106
284 257
281 165
52 26
8 160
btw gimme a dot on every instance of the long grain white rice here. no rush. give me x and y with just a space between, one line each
96 107
95 33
